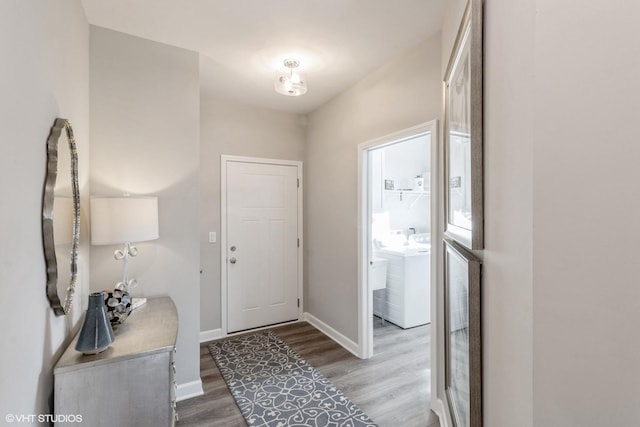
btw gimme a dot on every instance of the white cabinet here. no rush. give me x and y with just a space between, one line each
130 383
378 274
406 301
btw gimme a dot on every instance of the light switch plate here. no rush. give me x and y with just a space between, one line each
212 237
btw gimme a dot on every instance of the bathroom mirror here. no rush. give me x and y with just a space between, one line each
61 216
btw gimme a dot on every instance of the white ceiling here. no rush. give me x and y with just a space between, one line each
243 42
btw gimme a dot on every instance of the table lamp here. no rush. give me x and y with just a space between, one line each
123 220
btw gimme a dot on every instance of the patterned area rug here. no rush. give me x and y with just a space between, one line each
274 386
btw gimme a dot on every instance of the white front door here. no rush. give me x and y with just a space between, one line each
261 244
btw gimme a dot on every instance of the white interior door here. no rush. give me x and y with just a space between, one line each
262 244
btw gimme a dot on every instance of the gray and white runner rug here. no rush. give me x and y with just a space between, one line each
275 387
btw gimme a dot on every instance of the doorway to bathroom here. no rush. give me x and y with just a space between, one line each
397 265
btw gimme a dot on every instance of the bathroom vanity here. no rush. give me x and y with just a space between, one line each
406 301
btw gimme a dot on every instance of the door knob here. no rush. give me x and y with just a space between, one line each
232 260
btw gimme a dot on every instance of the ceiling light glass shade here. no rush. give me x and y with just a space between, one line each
291 83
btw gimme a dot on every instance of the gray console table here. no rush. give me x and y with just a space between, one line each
129 384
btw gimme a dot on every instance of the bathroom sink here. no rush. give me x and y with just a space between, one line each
420 238
415 244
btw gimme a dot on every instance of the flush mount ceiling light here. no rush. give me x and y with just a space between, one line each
291 83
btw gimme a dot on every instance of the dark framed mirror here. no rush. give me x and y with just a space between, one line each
61 216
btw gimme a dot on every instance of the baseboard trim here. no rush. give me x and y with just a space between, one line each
345 342
188 390
437 406
210 335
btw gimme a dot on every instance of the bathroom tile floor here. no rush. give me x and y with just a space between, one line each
392 387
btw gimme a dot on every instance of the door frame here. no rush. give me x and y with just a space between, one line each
224 160
365 297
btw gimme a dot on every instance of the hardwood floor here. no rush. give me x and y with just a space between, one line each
393 387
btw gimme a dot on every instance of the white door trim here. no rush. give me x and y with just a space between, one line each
365 299
224 159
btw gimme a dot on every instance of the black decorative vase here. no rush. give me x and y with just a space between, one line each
118 304
96 333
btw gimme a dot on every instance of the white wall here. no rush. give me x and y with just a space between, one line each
44 75
401 94
586 297
402 163
232 129
145 132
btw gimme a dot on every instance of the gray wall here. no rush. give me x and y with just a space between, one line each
145 133
508 263
508 167
403 93
560 299
232 129
586 297
44 75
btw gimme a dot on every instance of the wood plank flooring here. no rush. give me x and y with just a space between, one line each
393 387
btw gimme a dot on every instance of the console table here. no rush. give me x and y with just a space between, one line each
129 384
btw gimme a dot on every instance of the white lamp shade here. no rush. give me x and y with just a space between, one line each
116 220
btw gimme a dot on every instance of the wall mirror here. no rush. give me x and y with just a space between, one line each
61 216
463 133
463 343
